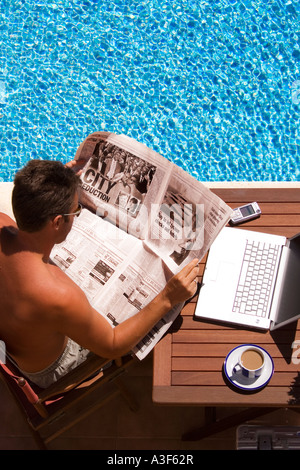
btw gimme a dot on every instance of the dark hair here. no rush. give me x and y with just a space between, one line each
41 190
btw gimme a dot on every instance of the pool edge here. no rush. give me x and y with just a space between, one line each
6 189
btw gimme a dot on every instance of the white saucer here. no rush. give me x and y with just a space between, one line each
242 382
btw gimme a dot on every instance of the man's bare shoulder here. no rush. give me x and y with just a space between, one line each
5 220
65 296
65 307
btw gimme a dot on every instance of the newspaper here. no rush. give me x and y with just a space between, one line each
143 220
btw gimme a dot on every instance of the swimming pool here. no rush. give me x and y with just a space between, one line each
214 86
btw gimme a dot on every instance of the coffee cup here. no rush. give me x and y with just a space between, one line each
251 362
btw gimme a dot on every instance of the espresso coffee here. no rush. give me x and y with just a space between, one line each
252 359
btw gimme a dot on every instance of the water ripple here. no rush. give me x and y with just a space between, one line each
212 86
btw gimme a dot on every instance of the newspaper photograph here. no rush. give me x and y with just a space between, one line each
121 185
187 222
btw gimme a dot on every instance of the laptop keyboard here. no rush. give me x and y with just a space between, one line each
256 279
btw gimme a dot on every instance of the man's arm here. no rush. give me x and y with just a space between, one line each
78 320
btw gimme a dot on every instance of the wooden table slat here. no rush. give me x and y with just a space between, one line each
199 364
162 361
213 379
222 349
225 396
258 194
230 336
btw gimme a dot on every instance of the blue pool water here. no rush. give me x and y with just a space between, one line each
213 85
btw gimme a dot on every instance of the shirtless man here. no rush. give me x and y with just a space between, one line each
41 308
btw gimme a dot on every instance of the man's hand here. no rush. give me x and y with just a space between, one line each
76 165
183 285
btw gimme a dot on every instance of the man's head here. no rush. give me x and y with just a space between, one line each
42 189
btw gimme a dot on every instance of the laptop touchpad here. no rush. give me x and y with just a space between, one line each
223 271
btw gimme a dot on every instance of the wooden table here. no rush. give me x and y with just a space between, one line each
188 361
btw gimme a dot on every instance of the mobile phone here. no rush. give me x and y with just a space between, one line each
244 213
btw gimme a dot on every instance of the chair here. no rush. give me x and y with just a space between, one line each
49 412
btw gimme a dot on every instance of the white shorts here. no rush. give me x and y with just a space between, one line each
71 357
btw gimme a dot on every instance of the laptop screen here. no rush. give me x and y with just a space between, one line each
289 300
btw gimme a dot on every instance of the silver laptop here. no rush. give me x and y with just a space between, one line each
251 279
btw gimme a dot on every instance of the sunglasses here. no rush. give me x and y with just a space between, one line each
77 212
